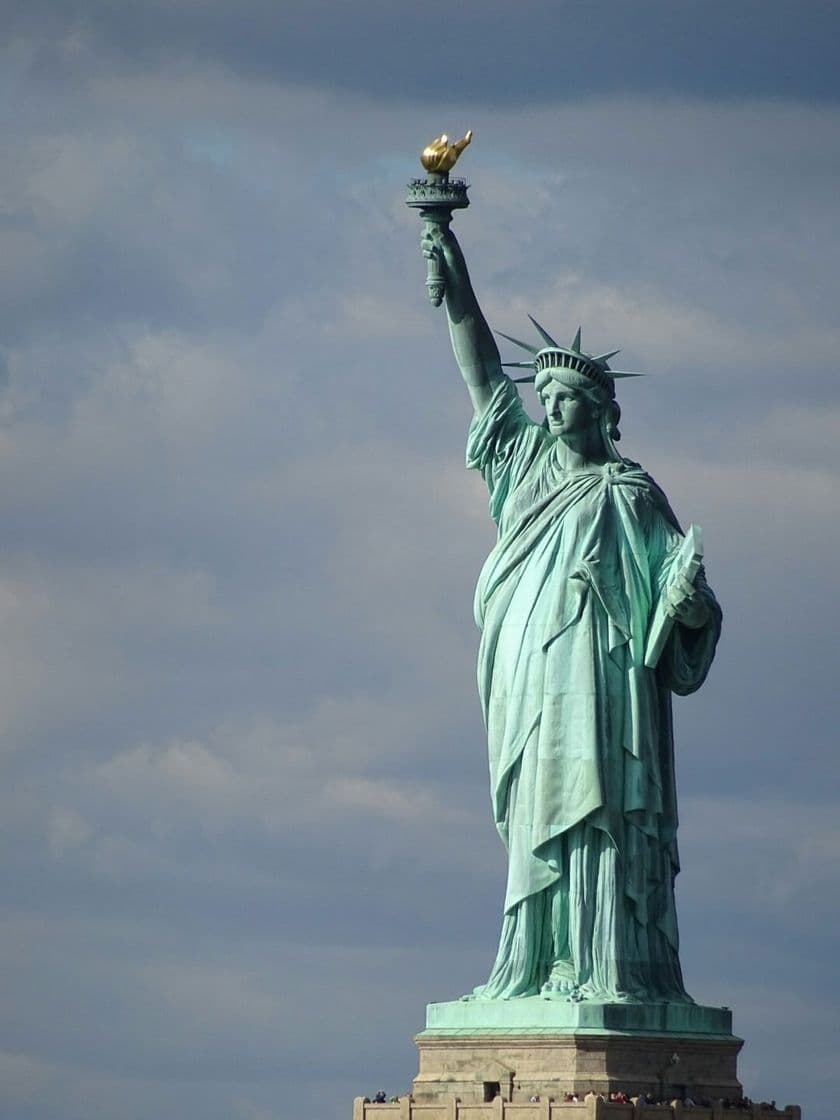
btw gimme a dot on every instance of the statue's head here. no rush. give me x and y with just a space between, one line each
574 404
584 383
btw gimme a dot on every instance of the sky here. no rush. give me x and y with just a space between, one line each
246 826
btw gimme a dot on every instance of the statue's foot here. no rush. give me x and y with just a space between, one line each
467 998
476 993
560 991
560 983
594 995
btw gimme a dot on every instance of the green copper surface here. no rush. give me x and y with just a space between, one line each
578 725
533 1014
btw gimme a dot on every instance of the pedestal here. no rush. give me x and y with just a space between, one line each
516 1049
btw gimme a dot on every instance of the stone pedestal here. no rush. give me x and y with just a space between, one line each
516 1049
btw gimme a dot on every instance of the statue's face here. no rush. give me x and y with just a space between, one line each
569 411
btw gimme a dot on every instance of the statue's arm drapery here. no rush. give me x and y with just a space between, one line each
688 653
502 443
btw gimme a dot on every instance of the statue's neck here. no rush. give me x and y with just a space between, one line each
580 449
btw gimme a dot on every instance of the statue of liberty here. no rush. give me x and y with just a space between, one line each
588 557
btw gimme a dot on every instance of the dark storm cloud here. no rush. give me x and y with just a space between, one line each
487 53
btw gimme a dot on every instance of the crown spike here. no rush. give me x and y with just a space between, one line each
546 337
623 373
522 380
606 357
576 342
517 342
519 365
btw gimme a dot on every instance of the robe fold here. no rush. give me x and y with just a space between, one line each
579 731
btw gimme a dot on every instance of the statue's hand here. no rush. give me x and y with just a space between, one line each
685 603
429 246
439 243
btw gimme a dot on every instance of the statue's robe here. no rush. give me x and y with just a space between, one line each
579 731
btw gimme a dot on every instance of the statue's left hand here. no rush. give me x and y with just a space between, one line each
686 604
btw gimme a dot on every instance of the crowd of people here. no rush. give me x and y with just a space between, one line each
617 1096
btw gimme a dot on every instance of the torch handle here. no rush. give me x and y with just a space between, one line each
435 283
436 197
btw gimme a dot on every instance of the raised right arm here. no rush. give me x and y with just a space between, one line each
472 341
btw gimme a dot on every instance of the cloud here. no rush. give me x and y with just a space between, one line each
707 49
246 775
759 872
68 831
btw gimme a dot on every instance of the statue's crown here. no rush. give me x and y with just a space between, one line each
553 356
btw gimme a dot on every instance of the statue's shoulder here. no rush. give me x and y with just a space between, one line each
645 494
505 422
627 472
643 486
